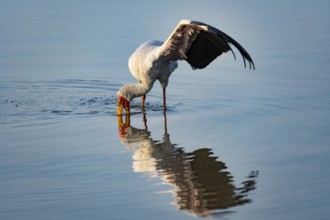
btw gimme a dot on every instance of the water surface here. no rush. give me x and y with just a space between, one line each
234 143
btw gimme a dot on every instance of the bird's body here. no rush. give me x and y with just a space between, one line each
197 43
146 66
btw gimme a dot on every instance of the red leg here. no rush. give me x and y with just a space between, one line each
143 100
164 98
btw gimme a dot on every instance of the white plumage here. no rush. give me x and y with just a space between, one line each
197 43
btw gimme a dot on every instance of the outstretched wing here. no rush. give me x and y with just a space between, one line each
199 44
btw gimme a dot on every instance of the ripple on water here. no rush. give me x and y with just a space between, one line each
38 100
41 100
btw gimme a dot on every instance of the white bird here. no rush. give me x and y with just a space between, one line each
197 43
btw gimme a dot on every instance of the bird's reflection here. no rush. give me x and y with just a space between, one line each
202 184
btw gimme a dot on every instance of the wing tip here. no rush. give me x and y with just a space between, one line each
251 63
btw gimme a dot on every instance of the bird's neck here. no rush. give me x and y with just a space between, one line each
130 91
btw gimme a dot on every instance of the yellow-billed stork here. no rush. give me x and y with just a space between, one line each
197 43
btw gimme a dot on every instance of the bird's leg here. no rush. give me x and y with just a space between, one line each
143 100
164 98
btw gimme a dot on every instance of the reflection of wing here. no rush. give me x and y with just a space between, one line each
213 182
201 183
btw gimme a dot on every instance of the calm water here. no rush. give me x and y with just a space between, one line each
234 144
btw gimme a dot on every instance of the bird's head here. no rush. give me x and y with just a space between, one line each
124 97
122 103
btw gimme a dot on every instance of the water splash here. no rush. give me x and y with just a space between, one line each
41 100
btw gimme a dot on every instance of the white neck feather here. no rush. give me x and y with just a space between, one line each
130 91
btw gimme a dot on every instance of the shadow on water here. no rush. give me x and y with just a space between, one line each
202 184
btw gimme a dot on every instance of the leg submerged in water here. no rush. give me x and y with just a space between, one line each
143 100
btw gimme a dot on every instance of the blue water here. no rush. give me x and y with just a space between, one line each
234 143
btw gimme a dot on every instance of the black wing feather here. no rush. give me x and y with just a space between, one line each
204 50
210 44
